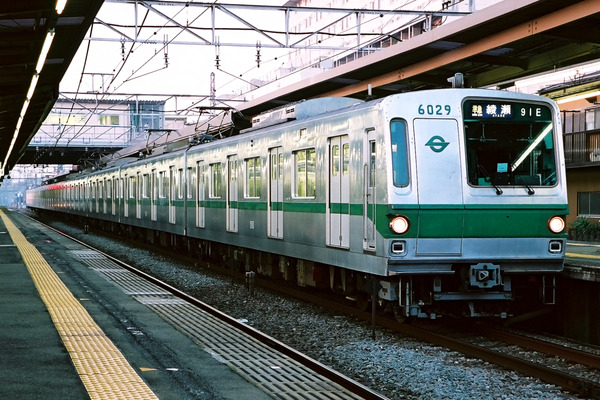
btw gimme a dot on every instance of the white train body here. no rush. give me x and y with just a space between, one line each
445 199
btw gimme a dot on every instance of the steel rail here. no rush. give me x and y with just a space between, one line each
573 384
570 354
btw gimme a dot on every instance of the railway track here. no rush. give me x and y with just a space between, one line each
572 383
313 387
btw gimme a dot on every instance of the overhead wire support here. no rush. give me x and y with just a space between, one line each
287 37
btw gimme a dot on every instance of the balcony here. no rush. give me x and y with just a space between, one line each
582 149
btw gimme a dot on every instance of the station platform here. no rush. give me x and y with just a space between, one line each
582 261
54 332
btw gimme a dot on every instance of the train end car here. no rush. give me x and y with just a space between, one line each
443 201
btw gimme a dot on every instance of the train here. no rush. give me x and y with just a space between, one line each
434 202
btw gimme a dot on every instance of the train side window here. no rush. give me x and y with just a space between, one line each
253 178
399 152
190 181
132 187
346 159
305 173
163 185
109 188
335 162
179 184
145 186
372 162
216 184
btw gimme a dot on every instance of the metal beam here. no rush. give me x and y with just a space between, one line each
273 42
529 28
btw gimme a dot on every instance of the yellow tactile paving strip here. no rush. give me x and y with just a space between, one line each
102 368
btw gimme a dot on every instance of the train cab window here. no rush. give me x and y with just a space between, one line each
216 183
399 152
253 178
305 163
509 144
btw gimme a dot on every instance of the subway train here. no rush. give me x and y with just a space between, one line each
433 202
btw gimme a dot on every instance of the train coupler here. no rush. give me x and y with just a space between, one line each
485 275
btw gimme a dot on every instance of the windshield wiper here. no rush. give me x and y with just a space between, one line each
530 190
489 179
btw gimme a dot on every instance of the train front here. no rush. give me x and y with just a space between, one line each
487 236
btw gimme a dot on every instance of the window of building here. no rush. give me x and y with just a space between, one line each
253 177
588 203
108 119
305 173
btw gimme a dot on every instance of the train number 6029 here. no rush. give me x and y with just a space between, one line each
434 109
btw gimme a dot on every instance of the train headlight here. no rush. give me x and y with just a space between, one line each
556 224
399 225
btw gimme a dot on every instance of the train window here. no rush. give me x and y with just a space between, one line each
190 181
253 177
372 162
145 186
305 173
178 188
509 143
163 185
131 187
340 159
216 184
276 166
346 159
399 152
108 188
335 160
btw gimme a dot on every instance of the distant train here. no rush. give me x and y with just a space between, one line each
441 201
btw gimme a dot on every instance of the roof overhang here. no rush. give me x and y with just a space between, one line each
24 28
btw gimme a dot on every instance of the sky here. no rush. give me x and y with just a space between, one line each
106 64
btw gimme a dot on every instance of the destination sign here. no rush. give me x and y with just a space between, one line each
478 110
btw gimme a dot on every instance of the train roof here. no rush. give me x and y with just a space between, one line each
301 110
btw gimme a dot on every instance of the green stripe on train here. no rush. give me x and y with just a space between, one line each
432 221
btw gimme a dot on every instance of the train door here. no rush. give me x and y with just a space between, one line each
338 208
439 187
276 193
369 202
232 194
201 185
172 193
